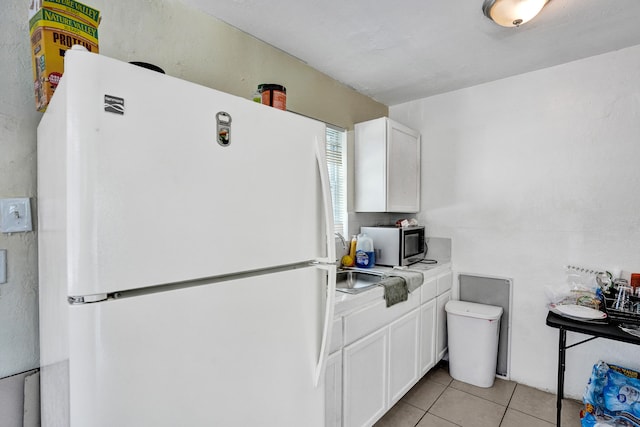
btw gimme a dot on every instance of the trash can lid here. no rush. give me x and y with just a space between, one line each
472 309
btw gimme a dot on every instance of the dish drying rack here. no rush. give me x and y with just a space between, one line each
585 274
587 271
609 296
630 316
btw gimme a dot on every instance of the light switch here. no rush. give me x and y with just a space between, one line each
3 266
15 215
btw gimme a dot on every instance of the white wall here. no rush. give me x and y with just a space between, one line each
18 121
532 173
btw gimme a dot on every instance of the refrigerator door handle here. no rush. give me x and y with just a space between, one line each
325 185
328 322
329 263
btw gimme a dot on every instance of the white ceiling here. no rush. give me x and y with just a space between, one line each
409 49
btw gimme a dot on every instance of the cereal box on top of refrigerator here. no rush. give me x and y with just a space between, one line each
52 33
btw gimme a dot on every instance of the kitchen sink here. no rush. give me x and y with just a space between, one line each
355 281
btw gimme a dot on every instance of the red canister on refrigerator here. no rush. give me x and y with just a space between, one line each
274 95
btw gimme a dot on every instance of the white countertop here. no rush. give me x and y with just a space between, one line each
348 302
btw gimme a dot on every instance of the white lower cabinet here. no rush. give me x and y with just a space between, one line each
441 346
386 351
428 322
404 354
333 390
365 386
379 369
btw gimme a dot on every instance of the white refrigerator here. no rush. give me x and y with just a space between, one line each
186 254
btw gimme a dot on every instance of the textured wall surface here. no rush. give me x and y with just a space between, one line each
18 121
532 173
187 44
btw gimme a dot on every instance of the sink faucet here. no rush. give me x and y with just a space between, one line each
345 247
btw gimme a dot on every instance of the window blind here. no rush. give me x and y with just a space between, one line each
336 162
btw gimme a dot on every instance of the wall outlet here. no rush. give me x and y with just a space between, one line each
15 215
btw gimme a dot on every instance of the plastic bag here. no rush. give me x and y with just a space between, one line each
605 421
580 287
612 397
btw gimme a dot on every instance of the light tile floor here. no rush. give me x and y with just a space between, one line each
440 401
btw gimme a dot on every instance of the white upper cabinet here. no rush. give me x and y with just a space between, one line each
387 167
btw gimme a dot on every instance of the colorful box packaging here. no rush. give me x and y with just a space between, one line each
53 32
70 8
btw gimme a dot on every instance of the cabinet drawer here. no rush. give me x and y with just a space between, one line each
445 282
428 290
375 316
336 335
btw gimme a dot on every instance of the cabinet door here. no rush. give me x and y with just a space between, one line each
333 390
428 324
365 384
404 351
403 168
441 347
370 166
387 167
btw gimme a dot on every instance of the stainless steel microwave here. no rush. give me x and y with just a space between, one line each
397 246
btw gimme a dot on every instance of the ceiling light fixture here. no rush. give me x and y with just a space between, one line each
512 13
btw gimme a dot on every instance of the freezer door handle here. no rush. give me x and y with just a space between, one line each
328 322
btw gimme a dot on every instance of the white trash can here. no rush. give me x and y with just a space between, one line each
473 331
